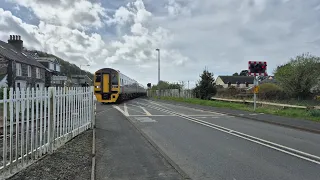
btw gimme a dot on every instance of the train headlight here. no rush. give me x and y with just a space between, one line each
97 86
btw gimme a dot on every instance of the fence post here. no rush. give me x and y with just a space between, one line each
51 117
94 108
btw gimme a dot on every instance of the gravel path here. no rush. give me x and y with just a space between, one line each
71 161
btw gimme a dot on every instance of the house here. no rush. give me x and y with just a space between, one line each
269 79
20 69
53 73
236 81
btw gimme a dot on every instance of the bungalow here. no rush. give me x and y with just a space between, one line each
18 69
237 81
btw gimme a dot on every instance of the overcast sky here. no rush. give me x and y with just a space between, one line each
222 35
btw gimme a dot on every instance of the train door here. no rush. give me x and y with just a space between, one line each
106 83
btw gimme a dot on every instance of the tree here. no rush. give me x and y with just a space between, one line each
235 74
205 88
244 73
299 75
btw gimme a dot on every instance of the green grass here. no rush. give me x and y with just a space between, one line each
313 115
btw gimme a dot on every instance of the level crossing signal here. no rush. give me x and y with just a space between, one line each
257 68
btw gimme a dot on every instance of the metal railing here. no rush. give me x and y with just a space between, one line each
185 93
38 121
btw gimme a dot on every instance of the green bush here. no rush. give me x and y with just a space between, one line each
271 91
315 112
1 93
228 92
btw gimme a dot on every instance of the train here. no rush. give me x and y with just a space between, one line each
112 86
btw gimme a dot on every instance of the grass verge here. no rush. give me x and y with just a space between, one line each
313 115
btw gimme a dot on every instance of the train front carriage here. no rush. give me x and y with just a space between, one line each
106 85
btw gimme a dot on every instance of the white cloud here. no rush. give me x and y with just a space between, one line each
221 35
70 13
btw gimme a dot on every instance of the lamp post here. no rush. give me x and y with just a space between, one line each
158 70
81 70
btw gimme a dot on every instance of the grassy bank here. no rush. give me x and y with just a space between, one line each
313 115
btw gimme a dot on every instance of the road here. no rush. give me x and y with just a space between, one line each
210 145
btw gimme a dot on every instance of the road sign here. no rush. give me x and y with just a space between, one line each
257 68
256 89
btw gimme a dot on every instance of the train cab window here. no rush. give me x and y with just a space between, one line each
114 79
98 78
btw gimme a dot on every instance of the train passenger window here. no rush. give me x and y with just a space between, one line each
98 78
114 79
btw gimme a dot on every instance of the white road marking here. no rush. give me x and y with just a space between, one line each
152 115
253 114
119 109
145 119
200 110
132 109
147 113
125 109
285 149
241 114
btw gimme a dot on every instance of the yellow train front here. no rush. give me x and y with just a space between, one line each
111 86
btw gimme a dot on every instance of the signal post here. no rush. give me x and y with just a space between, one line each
256 68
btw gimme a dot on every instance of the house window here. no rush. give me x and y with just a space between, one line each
18 69
29 71
51 66
38 73
57 68
247 84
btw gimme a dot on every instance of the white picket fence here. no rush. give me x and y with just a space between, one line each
38 121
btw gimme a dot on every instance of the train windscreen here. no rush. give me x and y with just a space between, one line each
98 78
114 79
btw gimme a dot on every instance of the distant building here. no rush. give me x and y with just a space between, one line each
81 80
269 79
18 69
237 81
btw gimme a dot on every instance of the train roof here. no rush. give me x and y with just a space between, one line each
113 70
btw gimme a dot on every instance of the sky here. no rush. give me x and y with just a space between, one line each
219 35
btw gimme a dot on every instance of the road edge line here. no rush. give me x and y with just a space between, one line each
251 118
183 174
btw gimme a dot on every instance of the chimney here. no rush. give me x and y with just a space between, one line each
15 41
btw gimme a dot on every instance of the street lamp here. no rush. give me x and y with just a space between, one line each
83 65
158 70
158 65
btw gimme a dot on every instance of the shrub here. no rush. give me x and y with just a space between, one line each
315 112
1 93
228 92
271 91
